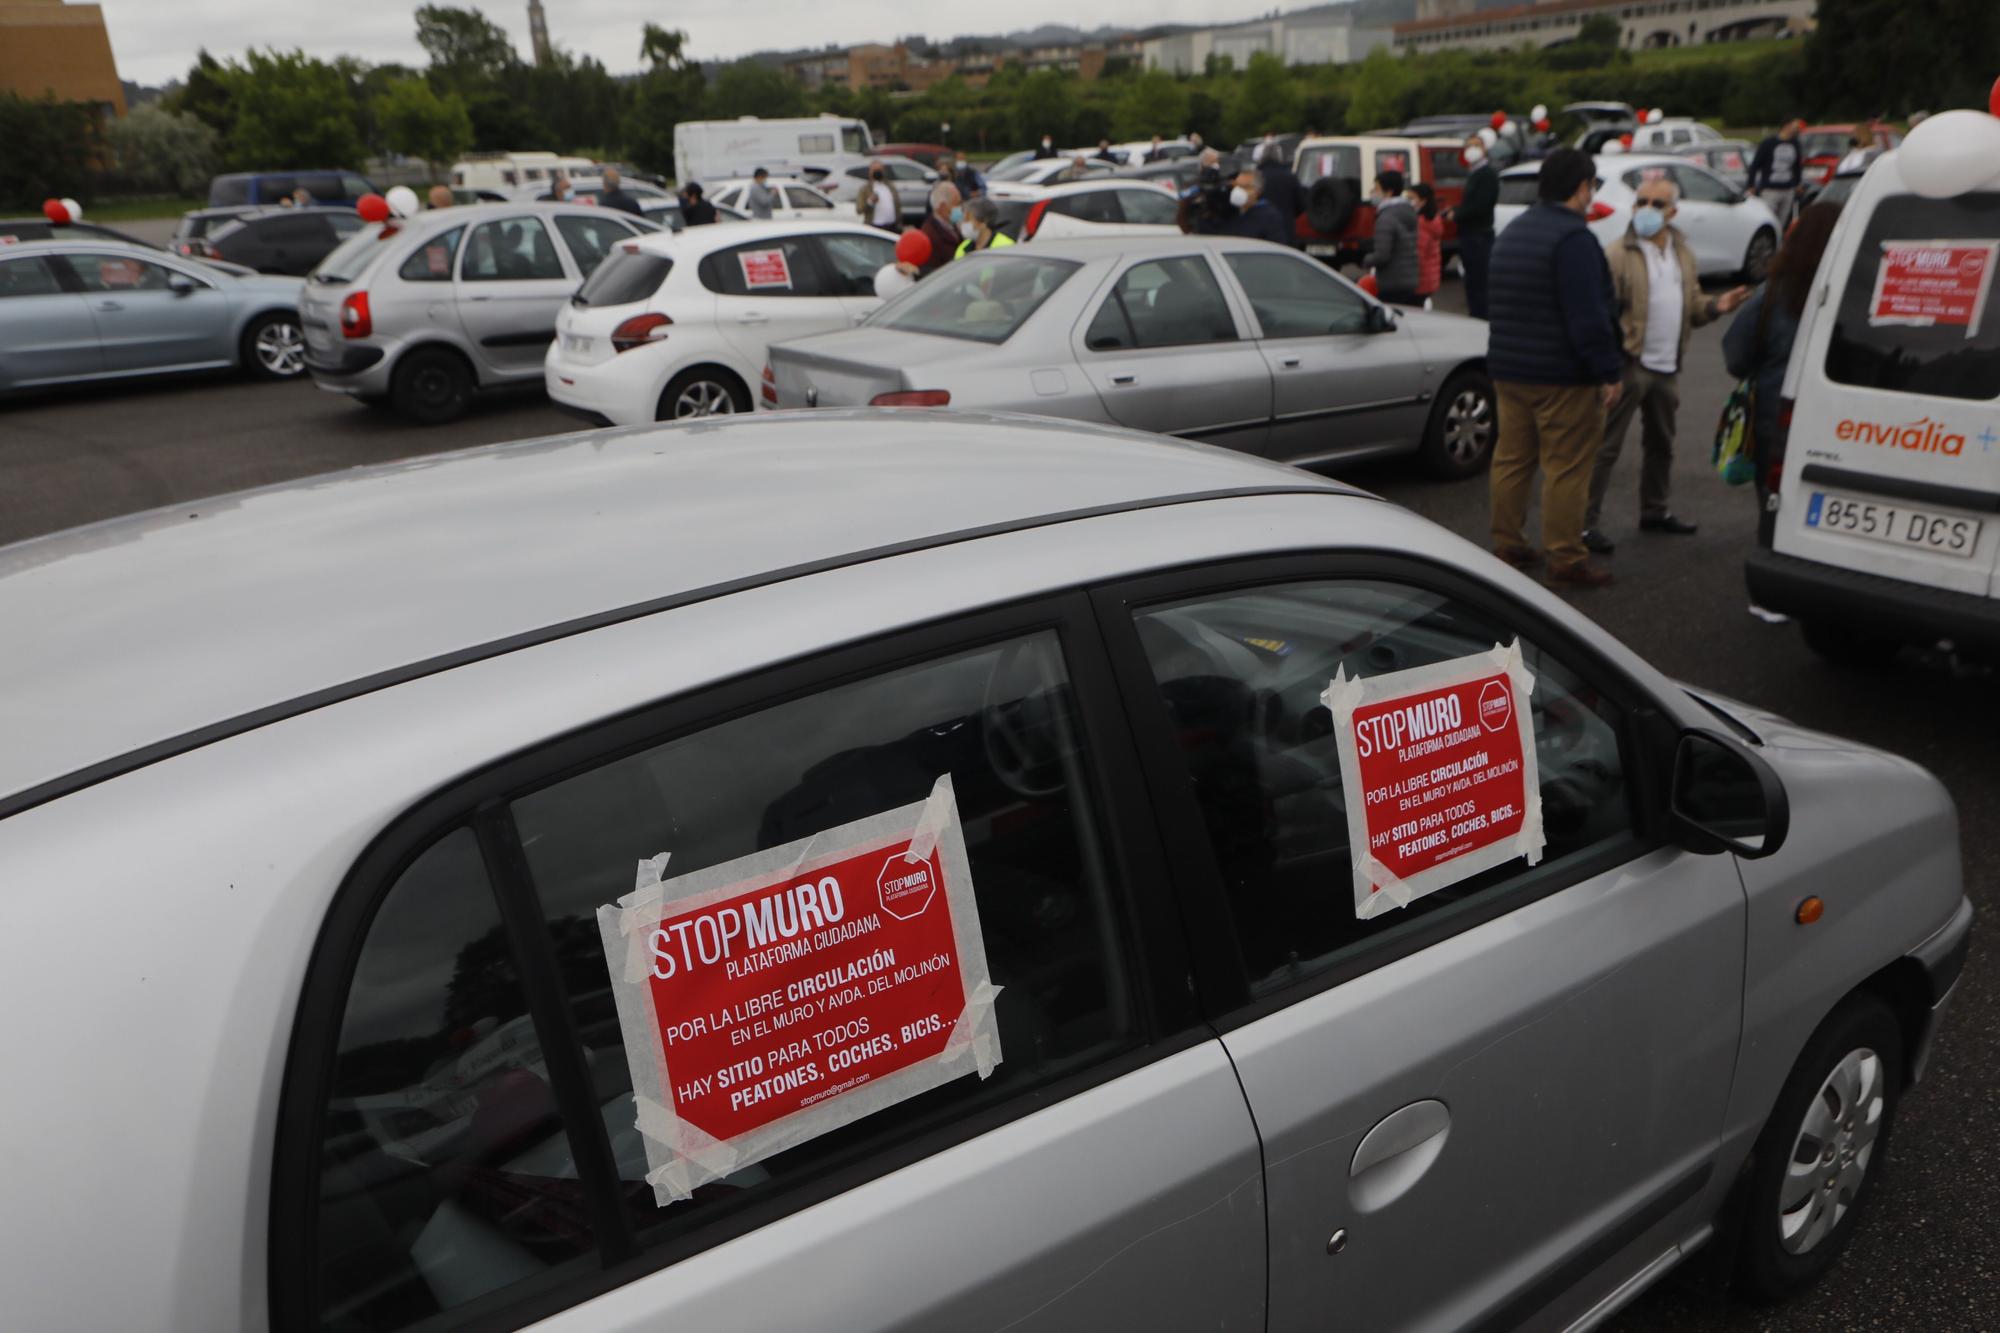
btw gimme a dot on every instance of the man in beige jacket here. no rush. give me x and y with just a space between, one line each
1659 301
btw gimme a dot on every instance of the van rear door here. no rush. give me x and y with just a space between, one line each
1892 467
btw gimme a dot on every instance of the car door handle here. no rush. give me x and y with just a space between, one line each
1124 379
753 318
110 305
1289 363
1396 1153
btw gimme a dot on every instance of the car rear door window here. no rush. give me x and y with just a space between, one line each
625 277
512 250
1295 298
1088 206
118 273
855 259
801 196
1163 303
323 185
1700 187
431 261
780 266
590 239
27 277
1152 208
983 302
353 186
1240 675
1930 335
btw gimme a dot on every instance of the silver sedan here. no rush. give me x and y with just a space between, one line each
1235 342
79 310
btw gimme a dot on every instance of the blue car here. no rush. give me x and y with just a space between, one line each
85 309
274 187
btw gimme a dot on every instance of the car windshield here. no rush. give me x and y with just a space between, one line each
984 299
352 255
1825 144
1341 160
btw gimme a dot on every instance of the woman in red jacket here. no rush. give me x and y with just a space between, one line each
1430 241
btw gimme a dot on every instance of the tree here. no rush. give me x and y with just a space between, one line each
1044 104
1150 103
752 88
415 121
161 152
50 148
669 92
209 93
1599 30
1379 86
1265 99
465 47
293 111
1867 57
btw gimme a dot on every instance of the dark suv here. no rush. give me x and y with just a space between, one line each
274 240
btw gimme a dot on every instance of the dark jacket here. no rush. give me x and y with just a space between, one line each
1283 192
968 181
1777 164
1261 222
1550 316
1482 192
1761 354
621 201
1043 153
697 213
944 243
1397 268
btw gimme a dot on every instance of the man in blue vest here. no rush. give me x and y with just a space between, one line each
1553 352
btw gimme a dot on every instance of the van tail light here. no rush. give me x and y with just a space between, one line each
913 398
1034 222
355 321
770 389
1599 210
638 331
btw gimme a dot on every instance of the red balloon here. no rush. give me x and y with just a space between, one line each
1993 98
1499 119
372 208
1542 125
1625 139
1369 285
53 210
913 247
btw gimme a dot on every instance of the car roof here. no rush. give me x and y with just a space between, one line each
728 181
697 241
161 631
1617 162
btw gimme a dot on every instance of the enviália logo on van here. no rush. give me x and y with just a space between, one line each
1922 436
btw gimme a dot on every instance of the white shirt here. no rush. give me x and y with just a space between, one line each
1660 353
1857 160
885 205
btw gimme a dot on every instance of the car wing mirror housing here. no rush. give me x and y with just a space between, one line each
1726 798
180 285
1379 318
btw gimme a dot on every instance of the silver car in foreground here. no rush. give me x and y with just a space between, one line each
424 312
319 804
81 310
1235 342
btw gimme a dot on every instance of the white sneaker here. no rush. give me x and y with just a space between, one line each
1769 617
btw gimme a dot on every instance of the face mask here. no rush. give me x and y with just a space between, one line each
968 229
1239 198
1474 156
1649 221
957 213
1045 143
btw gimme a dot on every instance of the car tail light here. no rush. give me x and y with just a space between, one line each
638 331
913 398
1034 221
770 389
1599 210
355 321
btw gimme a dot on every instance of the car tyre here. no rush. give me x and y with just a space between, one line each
274 347
432 385
1847 647
702 391
1757 259
1465 422
1835 1110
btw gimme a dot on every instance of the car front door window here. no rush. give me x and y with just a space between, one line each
1151 208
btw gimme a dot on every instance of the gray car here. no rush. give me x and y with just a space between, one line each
1239 343
85 309
912 181
426 312
335 819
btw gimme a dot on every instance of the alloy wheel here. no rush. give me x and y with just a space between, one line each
1468 427
704 398
281 349
1832 1151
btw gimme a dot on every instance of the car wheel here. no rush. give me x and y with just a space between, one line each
274 347
1464 422
703 391
1816 1163
1757 259
1849 647
431 386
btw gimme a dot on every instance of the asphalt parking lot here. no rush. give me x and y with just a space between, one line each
1926 1259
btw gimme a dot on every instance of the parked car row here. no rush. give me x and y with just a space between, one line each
1730 232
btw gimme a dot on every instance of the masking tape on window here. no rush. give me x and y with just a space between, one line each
1345 694
924 836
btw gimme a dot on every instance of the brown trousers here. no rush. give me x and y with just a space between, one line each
1558 428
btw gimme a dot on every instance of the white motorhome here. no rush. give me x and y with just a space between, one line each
502 173
809 147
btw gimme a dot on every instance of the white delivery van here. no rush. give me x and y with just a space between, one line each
809 147
1888 524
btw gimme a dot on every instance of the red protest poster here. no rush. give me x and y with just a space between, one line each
765 268
1933 284
770 999
1438 763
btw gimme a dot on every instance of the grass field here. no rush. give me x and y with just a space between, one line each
137 210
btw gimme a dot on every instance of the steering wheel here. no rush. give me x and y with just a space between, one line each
1018 727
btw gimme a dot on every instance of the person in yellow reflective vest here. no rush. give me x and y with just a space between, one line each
982 217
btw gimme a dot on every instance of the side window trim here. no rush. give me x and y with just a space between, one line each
1150 933
1195 876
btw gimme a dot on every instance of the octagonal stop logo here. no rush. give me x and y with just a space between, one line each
1496 705
906 887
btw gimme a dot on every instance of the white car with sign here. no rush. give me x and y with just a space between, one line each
680 324
1730 232
1888 523
797 201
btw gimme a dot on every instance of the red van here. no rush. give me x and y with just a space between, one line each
1337 173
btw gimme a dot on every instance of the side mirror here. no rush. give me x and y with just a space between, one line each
1726 798
180 284
1380 320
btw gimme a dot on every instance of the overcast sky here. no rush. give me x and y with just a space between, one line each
156 40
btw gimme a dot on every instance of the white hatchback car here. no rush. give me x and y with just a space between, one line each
1117 207
680 324
798 201
1731 232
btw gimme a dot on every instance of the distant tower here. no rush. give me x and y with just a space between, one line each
538 31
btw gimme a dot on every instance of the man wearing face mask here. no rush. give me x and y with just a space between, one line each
1659 301
1474 216
1254 217
941 228
1046 149
1395 250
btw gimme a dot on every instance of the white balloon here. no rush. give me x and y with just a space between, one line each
1509 128
1612 149
1655 116
403 201
1540 112
75 210
1487 136
1950 153
891 281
